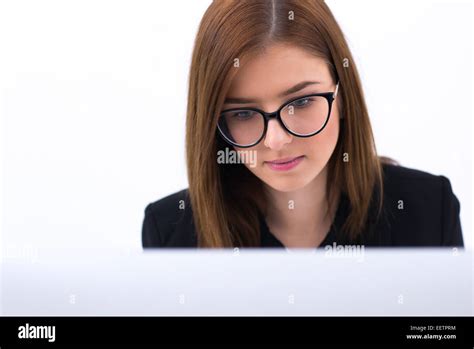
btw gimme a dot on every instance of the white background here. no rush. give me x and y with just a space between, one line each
93 100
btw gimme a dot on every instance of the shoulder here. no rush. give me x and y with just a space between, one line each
414 184
168 222
401 173
422 206
166 208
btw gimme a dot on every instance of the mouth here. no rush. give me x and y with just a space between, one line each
284 164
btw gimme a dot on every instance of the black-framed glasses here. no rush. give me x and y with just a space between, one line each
304 116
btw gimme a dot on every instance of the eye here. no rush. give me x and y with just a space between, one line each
242 114
301 103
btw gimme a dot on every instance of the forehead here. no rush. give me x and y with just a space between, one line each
276 69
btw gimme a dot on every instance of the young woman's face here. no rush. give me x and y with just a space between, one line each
262 80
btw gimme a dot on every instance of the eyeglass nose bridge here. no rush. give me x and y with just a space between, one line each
274 115
269 116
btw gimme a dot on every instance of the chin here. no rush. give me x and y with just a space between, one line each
287 184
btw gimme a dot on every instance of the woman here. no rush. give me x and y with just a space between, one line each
273 84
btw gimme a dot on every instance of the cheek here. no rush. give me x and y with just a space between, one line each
321 146
254 161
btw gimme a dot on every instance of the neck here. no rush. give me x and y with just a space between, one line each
301 217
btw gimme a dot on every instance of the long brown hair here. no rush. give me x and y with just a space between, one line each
227 200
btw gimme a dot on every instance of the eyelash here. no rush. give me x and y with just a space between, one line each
235 115
308 99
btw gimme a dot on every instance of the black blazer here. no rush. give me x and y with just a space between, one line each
419 209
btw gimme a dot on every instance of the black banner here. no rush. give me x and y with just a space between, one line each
433 332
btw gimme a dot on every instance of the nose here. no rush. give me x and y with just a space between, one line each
276 136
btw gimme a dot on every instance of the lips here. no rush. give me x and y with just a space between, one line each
284 160
284 164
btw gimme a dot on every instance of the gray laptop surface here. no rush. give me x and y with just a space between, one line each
239 282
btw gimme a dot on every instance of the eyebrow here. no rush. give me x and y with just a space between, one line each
296 88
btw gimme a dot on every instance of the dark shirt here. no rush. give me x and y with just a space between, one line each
419 209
